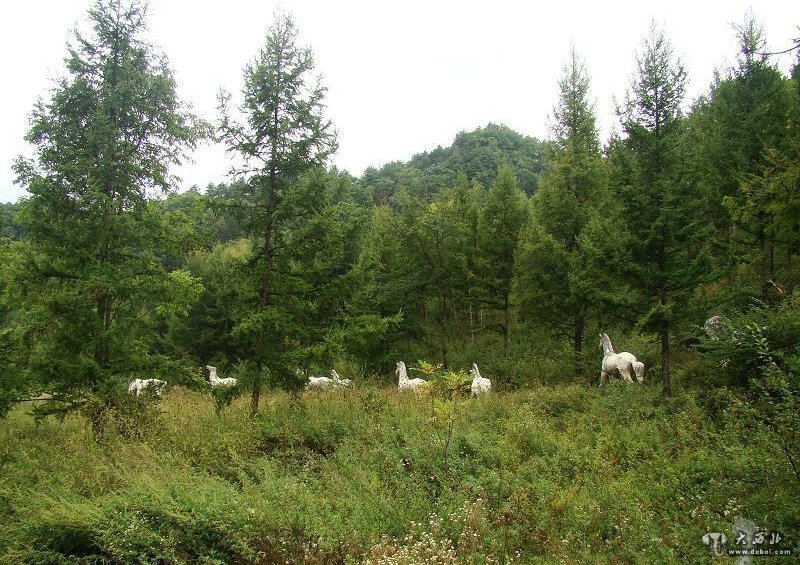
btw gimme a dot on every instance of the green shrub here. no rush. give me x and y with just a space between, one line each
569 474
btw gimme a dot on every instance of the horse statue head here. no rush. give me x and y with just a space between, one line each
605 344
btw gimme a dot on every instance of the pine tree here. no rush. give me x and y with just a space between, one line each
501 220
553 287
741 129
284 136
668 244
103 142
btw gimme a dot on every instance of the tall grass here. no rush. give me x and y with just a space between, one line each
565 474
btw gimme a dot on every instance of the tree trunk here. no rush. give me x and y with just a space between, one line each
255 397
664 330
577 343
665 360
102 352
471 325
506 318
443 328
255 394
272 186
263 301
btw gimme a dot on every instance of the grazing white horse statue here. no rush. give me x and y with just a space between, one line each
405 383
215 381
624 363
323 383
319 383
479 384
339 381
138 385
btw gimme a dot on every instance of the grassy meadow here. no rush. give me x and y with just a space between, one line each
551 474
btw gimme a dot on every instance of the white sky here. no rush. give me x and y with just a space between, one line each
402 76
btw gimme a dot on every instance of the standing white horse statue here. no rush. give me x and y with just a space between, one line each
480 385
624 363
404 383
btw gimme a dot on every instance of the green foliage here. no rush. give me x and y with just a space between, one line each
480 153
758 350
447 390
8 228
13 327
355 475
558 284
463 537
744 138
476 154
94 288
294 265
420 258
668 246
501 220
300 230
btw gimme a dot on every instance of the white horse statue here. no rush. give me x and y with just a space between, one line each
319 383
139 385
216 381
404 383
480 385
624 363
340 382
324 383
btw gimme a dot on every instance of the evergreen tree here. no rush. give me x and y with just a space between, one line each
739 131
501 219
468 200
667 247
554 287
436 236
103 141
416 262
284 136
205 334
15 320
389 282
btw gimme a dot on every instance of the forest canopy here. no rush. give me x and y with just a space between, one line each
274 309
293 263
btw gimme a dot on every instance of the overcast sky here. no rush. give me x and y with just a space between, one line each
403 76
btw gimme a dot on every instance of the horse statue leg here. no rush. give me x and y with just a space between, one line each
603 377
626 372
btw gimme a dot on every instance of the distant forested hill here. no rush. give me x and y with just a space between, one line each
477 153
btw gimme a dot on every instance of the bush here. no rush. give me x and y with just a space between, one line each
549 474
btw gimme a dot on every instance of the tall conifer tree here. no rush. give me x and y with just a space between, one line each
668 258
103 142
741 129
499 225
554 286
284 136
